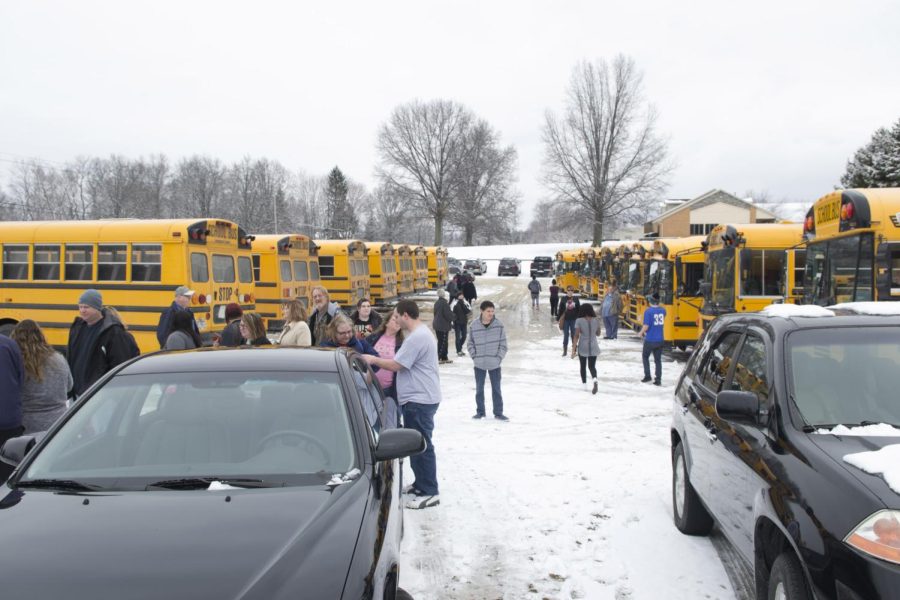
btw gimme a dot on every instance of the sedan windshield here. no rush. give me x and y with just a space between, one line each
846 376
245 429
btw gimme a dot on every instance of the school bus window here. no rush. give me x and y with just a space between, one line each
245 270
79 263
285 266
199 267
146 262
799 269
895 271
761 272
15 262
314 269
720 265
301 273
46 263
223 268
256 267
326 266
111 262
693 274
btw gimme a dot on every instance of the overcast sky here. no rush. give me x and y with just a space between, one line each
771 96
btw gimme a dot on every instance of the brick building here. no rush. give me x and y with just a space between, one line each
700 215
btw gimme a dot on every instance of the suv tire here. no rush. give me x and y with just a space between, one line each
689 514
787 580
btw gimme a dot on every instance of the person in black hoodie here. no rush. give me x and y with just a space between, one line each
461 311
97 343
442 324
568 314
469 290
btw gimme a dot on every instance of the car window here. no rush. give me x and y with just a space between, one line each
750 373
371 403
717 362
285 428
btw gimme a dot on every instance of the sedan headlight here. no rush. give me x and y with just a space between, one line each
878 536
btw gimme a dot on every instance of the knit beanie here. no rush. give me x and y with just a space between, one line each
91 298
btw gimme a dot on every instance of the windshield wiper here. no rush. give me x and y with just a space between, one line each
198 483
58 484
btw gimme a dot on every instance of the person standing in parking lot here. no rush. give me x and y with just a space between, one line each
554 299
321 317
487 347
98 342
468 288
12 378
534 286
461 311
442 323
419 393
47 378
652 332
568 313
610 310
182 302
585 344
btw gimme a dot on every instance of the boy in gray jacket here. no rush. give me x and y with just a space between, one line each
487 347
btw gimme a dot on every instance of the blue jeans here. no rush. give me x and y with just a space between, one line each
654 348
421 418
459 331
496 397
611 324
568 329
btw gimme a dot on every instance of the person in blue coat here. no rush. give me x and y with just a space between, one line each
340 334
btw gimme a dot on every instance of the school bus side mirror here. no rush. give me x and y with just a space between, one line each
705 289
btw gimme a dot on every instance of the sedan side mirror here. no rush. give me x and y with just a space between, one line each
399 443
15 449
738 407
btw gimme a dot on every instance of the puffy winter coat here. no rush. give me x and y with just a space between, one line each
487 344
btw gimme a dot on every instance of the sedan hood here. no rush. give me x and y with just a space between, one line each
837 447
244 543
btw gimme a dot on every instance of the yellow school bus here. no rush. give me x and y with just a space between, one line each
382 272
636 302
284 267
674 273
587 275
437 266
751 266
135 264
344 270
406 275
853 250
420 269
568 266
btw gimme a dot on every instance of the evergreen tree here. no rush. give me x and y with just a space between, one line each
877 164
342 221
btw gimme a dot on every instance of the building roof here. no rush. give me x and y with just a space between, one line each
712 197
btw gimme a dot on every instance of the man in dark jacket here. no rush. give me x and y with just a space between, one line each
568 314
461 311
12 378
442 323
322 315
97 342
468 289
182 302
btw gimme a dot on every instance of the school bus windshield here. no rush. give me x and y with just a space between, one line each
720 275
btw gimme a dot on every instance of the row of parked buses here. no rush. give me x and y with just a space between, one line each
847 249
137 264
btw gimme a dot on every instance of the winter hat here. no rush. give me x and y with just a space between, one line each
233 311
91 298
654 298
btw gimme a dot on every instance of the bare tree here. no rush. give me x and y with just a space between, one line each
483 195
421 148
386 214
603 155
114 183
197 187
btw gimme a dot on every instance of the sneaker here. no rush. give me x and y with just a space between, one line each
501 417
594 390
410 489
423 502
460 353
645 379
657 382
478 416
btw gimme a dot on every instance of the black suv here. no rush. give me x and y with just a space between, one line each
509 266
542 266
771 415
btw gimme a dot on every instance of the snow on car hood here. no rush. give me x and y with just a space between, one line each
788 311
870 308
884 462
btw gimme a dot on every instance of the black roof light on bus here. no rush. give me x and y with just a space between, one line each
244 240
197 233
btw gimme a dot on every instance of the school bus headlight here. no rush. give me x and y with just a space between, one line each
878 536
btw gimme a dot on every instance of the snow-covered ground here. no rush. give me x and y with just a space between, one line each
569 499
